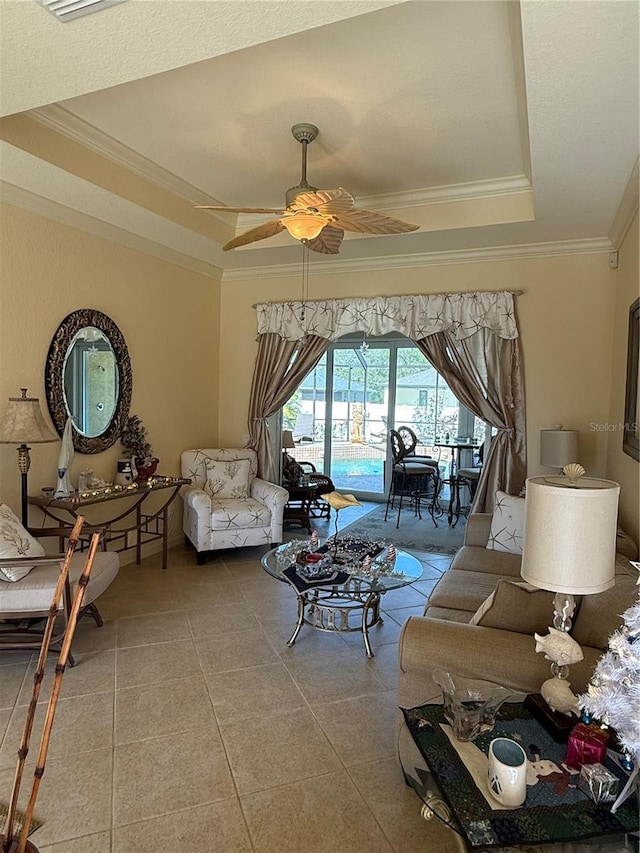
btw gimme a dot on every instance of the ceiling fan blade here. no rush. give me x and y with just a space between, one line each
268 229
328 241
325 201
369 222
239 209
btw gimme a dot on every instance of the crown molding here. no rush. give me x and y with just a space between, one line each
62 121
12 194
65 122
19 197
427 196
426 259
450 192
627 208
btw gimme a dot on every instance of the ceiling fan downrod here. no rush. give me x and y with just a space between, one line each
304 133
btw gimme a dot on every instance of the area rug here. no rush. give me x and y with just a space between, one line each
413 534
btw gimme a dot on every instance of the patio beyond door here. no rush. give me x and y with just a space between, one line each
341 413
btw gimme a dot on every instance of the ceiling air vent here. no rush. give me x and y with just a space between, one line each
68 10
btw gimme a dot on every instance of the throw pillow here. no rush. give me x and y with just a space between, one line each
227 478
517 607
15 541
507 524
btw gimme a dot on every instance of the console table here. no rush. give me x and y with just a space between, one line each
131 518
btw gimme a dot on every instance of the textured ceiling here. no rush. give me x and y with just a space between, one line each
489 124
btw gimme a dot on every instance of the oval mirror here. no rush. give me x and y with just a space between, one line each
88 378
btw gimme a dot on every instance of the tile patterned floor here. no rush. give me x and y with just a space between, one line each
187 724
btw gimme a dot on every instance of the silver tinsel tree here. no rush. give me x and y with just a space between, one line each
613 695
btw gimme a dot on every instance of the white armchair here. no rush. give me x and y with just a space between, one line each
227 505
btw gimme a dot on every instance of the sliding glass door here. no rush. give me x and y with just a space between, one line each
341 413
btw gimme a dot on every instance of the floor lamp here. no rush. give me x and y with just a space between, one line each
24 424
569 542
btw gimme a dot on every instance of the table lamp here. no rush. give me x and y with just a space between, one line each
24 424
569 544
558 447
287 440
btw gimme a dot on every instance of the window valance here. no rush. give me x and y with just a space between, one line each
417 317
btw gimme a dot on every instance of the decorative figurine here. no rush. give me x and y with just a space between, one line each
559 647
65 458
558 695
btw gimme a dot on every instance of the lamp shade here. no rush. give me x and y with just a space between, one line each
570 534
558 447
305 226
24 423
287 439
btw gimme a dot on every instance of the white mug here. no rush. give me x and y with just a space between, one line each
507 771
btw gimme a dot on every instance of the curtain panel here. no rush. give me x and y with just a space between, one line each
280 367
485 373
470 338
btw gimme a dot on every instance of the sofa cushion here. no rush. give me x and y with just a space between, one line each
448 614
625 545
507 524
463 590
33 593
601 614
227 478
240 514
474 558
516 607
15 541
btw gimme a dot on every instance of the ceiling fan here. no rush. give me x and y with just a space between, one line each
316 217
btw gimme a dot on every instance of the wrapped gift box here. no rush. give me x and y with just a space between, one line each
587 744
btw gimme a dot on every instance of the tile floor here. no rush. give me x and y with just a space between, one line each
187 723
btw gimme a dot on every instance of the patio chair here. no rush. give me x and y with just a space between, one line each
413 479
303 429
292 472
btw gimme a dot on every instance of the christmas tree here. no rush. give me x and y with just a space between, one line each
613 694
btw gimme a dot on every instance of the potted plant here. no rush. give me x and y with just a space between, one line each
134 441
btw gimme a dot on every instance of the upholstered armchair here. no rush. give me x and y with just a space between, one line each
227 505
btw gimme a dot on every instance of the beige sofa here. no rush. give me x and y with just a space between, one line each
505 652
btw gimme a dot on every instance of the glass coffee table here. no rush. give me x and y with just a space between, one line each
347 598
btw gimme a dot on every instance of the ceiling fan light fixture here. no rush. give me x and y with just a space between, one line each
304 226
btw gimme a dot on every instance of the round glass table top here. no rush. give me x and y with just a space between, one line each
405 570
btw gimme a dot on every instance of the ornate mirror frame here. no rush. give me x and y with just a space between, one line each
54 378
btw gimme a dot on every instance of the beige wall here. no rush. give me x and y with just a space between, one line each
169 318
192 341
621 467
565 318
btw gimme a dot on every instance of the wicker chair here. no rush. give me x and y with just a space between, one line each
293 470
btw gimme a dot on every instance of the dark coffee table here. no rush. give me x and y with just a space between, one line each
555 810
